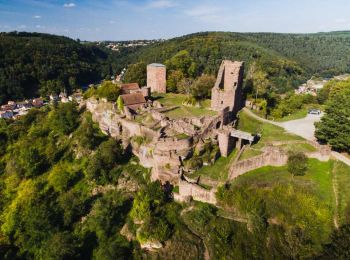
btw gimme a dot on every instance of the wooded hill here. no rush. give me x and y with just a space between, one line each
288 59
35 63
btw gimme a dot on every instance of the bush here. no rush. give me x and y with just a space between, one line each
297 163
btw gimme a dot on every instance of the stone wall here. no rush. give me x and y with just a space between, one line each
272 157
190 190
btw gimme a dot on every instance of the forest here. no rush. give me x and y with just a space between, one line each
34 64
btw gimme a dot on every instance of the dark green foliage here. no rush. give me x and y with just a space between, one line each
339 247
34 63
201 88
107 156
107 90
334 127
64 119
136 73
297 163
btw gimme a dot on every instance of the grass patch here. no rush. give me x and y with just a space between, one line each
341 173
299 114
267 131
217 171
249 153
302 147
176 100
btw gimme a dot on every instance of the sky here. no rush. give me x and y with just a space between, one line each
96 20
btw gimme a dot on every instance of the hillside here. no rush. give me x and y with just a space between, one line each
288 59
33 64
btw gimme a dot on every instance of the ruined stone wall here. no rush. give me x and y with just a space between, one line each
274 157
173 144
156 78
196 192
227 91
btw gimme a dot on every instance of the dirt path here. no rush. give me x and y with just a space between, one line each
336 195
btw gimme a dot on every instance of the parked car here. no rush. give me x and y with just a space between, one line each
314 112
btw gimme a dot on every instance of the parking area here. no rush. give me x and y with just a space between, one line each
303 127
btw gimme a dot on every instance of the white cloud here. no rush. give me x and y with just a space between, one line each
36 16
161 4
112 22
40 26
207 13
22 26
69 5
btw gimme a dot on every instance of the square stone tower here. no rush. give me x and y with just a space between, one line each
156 77
227 91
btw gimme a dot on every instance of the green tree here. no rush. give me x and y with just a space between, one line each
109 90
174 80
334 127
201 88
136 73
297 163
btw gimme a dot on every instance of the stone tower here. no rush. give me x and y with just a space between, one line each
227 91
156 77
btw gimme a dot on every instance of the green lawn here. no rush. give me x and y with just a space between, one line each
342 176
299 114
176 100
249 153
267 131
318 178
217 171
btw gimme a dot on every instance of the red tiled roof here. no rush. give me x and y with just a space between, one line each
126 88
132 99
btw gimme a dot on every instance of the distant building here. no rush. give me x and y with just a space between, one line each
6 114
37 102
156 77
134 101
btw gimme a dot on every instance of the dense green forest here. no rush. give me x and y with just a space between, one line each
67 191
285 59
34 63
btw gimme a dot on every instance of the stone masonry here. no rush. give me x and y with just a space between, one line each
156 77
227 91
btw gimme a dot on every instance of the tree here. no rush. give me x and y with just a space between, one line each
334 127
64 119
174 80
136 73
297 163
339 247
201 88
109 90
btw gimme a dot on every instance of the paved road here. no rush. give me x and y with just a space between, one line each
302 127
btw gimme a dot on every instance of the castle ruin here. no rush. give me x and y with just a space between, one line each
156 77
165 144
227 91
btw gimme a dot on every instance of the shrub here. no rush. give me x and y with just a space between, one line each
297 163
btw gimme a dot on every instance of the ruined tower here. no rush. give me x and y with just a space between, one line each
227 91
156 77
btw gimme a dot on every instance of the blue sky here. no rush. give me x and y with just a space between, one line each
150 19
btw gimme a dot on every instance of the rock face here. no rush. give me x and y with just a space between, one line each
227 91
